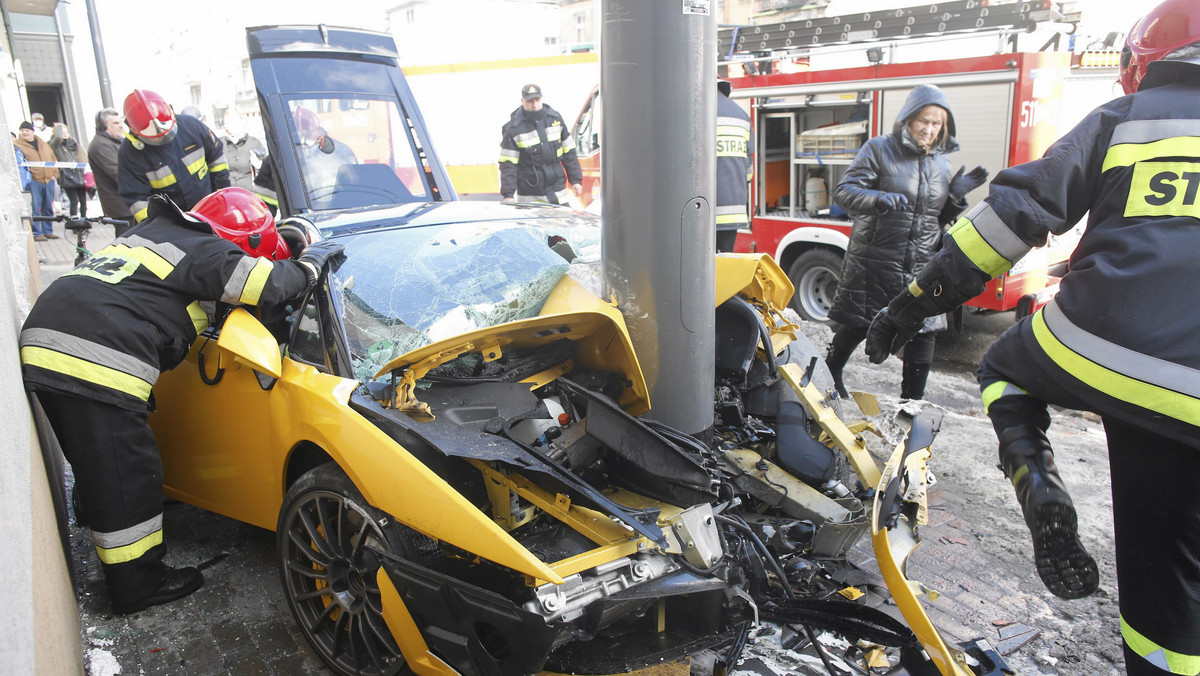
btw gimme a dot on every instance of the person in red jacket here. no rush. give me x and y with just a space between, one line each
1118 339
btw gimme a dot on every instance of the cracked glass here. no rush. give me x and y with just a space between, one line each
405 288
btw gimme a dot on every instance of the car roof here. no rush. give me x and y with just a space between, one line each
319 61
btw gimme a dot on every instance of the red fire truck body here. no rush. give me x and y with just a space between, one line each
808 127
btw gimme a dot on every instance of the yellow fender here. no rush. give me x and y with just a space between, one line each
892 548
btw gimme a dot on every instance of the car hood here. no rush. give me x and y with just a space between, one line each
420 274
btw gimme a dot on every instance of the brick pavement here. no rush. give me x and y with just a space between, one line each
239 623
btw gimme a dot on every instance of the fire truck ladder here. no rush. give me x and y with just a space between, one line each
959 16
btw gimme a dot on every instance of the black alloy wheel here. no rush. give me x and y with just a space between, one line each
324 539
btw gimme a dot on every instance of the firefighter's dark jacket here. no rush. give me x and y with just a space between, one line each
105 330
887 250
1123 331
191 166
733 164
534 151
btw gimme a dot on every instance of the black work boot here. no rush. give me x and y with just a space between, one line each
147 581
1064 565
836 361
913 379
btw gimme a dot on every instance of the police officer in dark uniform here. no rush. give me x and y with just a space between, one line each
97 339
734 170
165 154
1118 339
536 147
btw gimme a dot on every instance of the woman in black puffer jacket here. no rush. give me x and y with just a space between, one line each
900 191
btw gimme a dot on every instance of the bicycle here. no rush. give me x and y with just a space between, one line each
81 227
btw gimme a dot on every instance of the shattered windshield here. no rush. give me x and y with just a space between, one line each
402 289
355 152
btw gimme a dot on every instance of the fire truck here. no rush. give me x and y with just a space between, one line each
816 90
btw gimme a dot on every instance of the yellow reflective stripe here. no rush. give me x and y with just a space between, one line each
1114 384
159 183
223 166
734 122
140 210
999 389
58 341
569 143
526 140
256 281
1126 154
505 158
130 552
977 250
561 150
141 255
197 167
731 214
1019 474
1164 189
198 315
1176 663
75 367
266 195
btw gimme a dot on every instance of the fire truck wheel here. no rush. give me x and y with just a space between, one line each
815 274
325 540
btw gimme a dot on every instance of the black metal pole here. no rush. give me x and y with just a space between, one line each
101 63
658 90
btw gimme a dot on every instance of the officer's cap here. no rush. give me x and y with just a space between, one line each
530 92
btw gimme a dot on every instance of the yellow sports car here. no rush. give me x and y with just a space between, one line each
447 434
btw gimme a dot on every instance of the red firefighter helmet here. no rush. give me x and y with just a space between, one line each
1172 25
149 117
237 215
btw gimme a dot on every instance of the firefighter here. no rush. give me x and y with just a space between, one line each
176 156
1118 339
535 148
97 339
733 167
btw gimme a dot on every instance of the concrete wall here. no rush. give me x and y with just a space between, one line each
41 626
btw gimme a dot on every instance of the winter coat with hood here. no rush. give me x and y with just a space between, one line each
887 250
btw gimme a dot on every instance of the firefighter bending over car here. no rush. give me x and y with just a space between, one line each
165 154
97 339
536 147
1119 339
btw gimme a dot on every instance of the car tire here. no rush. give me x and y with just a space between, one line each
324 537
815 274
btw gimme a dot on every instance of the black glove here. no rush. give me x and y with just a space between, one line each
960 185
319 254
890 201
889 333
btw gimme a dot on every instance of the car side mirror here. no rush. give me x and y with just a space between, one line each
250 343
